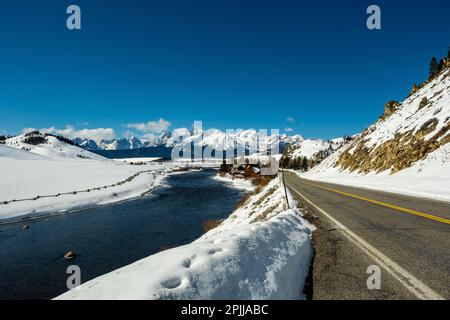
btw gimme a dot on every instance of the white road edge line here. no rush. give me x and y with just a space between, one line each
414 285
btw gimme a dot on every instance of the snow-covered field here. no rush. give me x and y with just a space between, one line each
262 251
39 179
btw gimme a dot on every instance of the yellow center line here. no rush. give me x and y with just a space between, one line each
392 206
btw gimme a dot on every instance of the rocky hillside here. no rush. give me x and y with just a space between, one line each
406 133
406 150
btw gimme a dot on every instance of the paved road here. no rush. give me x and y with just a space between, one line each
407 237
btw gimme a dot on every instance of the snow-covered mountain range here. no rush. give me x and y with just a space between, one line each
214 138
58 146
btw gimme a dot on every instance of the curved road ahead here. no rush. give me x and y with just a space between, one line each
407 237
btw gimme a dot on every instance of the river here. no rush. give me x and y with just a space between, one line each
32 264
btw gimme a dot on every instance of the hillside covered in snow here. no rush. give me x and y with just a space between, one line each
309 148
407 150
49 146
18 154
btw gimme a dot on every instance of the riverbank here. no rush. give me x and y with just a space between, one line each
108 237
243 184
261 251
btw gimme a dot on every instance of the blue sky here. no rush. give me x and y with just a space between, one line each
230 63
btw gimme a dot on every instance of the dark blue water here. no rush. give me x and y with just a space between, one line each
32 265
158 151
164 152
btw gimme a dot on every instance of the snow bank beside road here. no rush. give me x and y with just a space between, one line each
262 251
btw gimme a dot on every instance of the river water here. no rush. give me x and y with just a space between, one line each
32 264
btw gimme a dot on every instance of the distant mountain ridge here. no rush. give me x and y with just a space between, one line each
213 138
212 141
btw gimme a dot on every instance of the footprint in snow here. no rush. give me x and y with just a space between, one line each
214 251
171 283
187 263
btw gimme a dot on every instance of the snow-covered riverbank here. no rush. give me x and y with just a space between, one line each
262 251
243 184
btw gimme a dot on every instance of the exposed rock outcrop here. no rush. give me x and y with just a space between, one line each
405 133
395 154
390 107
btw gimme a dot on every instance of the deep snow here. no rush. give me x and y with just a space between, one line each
262 251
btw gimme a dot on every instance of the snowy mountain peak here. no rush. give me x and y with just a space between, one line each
214 138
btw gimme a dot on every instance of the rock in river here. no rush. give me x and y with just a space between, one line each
70 255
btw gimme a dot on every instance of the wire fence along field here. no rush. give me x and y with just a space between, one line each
188 165
129 179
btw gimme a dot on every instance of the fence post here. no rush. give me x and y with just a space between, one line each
284 185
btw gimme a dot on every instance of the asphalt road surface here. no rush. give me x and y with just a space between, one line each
408 238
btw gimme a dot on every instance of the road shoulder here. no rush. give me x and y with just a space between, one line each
340 268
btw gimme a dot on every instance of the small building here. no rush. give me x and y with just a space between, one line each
265 165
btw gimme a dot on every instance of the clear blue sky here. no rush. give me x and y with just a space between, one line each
229 63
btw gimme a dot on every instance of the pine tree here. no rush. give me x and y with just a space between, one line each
434 68
305 164
448 54
441 65
224 166
286 162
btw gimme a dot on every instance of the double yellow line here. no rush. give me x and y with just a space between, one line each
387 205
